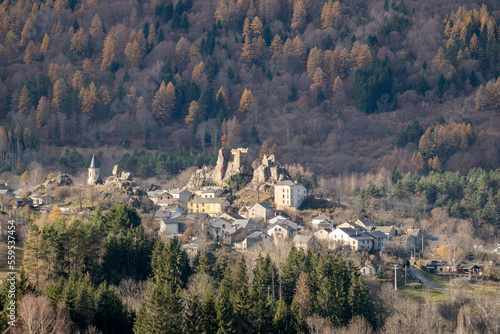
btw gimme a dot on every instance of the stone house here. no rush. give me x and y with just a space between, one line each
256 237
368 270
41 199
305 242
182 195
264 210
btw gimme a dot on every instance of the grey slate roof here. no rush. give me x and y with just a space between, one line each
93 163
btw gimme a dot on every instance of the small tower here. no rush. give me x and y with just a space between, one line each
93 172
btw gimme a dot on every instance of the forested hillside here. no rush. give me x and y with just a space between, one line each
334 81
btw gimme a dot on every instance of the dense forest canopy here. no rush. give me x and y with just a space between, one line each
335 80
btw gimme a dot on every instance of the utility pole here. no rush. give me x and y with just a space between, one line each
395 277
405 275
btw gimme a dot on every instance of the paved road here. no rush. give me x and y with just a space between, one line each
425 281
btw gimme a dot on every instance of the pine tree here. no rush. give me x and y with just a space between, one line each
224 309
193 321
160 311
88 69
281 319
42 111
299 15
24 105
331 15
169 264
163 102
246 100
89 100
209 313
45 43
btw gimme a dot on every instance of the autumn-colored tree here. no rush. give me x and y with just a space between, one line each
88 69
225 138
418 161
24 105
25 178
89 100
27 32
96 28
80 42
435 163
192 114
61 4
224 11
302 297
182 49
193 52
198 74
319 79
163 102
133 53
336 62
276 47
331 15
314 61
55 214
299 49
133 18
45 43
246 28
77 81
299 15
42 111
257 26
361 55
114 45
31 53
338 85
246 100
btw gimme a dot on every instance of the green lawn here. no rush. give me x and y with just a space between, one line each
415 291
442 281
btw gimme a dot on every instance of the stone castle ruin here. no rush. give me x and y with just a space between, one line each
237 161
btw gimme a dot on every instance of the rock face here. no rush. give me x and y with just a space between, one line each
228 164
59 181
270 171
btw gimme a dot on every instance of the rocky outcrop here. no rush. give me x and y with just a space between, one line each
228 163
270 171
201 178
59 181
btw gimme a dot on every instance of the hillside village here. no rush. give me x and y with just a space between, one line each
208 212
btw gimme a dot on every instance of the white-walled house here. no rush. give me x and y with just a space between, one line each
289 194
281 231
183 195
169 226
361 241
342 235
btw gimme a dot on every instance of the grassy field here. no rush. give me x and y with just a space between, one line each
417 292
442 281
